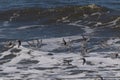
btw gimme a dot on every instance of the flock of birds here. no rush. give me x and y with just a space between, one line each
10 44
38 44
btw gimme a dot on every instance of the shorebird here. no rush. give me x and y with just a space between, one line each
19 43
39 43
67 61
35 43
114 55
9 44
84 61
84 41
84 38
64 42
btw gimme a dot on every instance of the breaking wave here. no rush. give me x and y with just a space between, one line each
61 43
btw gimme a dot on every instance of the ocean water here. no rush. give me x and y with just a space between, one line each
60 39
11 17
10 20
5 4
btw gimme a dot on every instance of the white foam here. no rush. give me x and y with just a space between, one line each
52 66
29 26
87 29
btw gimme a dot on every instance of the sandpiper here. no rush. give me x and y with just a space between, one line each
64 42
84 61
19 43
